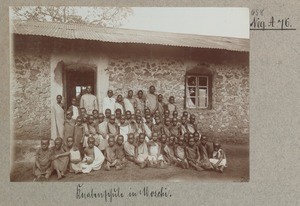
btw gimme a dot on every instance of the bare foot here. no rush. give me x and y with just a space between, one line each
143 165
107 168
119 167
47 177
199 169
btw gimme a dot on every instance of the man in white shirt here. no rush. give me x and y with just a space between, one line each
89 101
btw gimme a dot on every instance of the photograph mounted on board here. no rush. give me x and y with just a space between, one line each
117 94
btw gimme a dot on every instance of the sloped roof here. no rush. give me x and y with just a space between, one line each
120 35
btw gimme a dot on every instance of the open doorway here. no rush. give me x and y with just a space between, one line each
76 80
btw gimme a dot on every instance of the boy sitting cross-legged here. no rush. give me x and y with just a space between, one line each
42 167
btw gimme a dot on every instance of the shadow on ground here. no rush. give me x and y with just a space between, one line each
237 171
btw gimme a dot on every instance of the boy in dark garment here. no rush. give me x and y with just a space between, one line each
110 154
120 153
96 117
158 126
180 154
59 162
205 154
42 167
69 125
192 155
170 152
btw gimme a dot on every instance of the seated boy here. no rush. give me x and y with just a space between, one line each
218 159
166 113
163 140
82 112
91 130
128 117
142 151
118 114
166 127
59 160
75 157
205 153
112 127
191 125
157 114
180 154
120 152
42 167
102 132
147 112
96 117
148 125
197 138
130 148
175 114
93 157
175 128
107 114
110 154
155 157
124 128
133 126
170 152
139 124
183 125
186 137
158 126
185 114
192 155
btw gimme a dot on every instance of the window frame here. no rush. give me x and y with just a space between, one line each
197 86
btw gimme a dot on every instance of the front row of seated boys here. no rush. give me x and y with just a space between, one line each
187 151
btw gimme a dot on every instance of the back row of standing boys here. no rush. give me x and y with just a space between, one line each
142 130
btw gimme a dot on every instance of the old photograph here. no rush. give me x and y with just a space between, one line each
123 94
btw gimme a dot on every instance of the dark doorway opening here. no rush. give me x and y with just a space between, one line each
76 82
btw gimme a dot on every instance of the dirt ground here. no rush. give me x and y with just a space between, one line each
237 171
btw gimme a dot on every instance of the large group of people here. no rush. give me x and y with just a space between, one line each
143 130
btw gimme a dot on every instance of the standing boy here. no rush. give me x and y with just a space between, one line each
140 102
79 134
109 102
74 109
69 125
130 102
171 106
